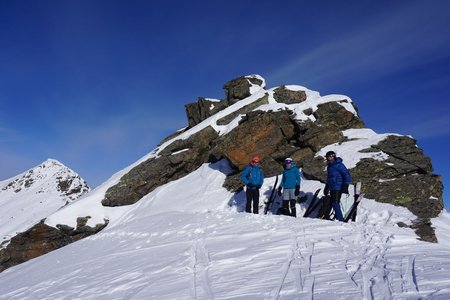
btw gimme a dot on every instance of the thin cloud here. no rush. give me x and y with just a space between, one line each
430 128
387 44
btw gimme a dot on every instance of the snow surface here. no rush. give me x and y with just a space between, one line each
187 240
359 139
31 196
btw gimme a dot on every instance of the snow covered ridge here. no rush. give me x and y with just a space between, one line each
312 112
33 195
286 121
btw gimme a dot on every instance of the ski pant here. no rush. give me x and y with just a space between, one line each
335 203
252 198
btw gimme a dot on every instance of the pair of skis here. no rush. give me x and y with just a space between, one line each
323 202
313 204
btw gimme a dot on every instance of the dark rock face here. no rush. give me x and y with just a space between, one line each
404 148
239 88
248 108
177 160
202 109
331 120
41 239
283 95
404 179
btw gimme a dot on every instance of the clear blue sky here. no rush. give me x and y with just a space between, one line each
97 84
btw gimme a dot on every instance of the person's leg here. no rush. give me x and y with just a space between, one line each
285 209
248 194
335 203
293 210
256 201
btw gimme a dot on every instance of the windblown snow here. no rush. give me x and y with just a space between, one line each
189 239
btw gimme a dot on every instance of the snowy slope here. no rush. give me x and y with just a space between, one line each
33 195
184 241
188 240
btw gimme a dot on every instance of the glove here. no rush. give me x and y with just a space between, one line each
297 190
344 189
279 191
258 186
326 190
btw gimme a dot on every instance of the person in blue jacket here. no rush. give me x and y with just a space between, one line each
338 180
290 183
253 177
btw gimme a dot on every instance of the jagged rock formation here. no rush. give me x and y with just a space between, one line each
202 109
240 88
405 178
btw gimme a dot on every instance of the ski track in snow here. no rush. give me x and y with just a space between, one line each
199 267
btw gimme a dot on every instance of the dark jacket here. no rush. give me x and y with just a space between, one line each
291 177
253 177
337 175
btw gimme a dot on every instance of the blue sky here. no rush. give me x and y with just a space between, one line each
97 84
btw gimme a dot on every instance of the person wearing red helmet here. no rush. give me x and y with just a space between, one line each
253 177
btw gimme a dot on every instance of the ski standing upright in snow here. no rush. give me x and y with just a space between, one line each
354 208
269 202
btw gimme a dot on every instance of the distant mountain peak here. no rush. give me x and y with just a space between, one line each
51 176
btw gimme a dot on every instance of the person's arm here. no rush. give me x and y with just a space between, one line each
244 175
298 177
345 174
346 179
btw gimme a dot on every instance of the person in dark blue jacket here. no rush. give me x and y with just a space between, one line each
290 183
338 180
253 177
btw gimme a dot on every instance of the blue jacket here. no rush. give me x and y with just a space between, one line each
291 177
253 177
337 175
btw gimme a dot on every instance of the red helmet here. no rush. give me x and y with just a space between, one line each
255 159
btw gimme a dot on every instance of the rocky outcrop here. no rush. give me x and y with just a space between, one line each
202 109
41 239
283 95
331 120
405 178
244 110
239 88
175 161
